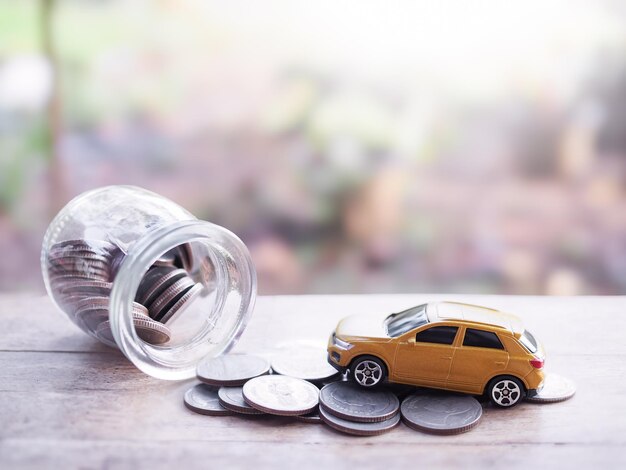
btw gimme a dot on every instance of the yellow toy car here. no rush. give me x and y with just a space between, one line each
443 345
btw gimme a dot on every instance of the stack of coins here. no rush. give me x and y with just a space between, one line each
241 384
165 291
79 260
351 409
81 274
247 385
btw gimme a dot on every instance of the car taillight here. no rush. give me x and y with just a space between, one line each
536 363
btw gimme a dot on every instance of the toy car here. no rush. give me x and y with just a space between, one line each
444 345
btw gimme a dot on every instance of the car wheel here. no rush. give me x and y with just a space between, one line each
368 371
506 391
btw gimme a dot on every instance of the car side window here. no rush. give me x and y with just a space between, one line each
481 339
437 334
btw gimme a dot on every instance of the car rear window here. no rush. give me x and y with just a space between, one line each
529 341
481 339
400 323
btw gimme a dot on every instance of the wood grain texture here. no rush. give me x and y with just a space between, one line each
67 402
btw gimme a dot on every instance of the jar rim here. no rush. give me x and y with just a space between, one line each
140 257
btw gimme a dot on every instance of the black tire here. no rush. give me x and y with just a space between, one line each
506 391
368 371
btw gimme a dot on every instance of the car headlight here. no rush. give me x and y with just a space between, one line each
341 344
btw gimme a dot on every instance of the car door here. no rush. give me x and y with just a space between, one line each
479 357
424 356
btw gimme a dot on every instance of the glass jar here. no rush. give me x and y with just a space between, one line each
138 272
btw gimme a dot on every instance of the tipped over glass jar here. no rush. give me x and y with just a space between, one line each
138 272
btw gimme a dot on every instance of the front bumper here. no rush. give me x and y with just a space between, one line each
340 368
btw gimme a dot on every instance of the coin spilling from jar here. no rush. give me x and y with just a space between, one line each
248 385
81 274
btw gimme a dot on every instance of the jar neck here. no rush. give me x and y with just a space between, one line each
231 305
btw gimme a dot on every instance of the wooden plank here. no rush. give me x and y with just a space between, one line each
79 395
66 401
33 323
565 324
191 454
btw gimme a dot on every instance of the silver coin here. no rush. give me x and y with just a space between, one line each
231 370
169 297
76 251
231 398
155 282
310 418
84 271
333 379
76 256
281 395
152 331
89 319
203 399
441 413
87 288
181 304
303 363
78 265
93 317
349 401
358 428
90 312
148 330
556 388
99 302
69 294
96 246
60 280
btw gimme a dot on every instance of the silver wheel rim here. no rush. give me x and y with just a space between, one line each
368 373
506 393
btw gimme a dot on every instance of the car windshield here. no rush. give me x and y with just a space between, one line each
529 341
400 323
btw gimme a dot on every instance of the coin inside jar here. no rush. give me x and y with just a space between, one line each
440 412
87 288
155 282
281 395
90 312
82 244
148 330
181 304
231 369
162 304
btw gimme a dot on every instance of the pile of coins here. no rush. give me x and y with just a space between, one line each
81 274
313 392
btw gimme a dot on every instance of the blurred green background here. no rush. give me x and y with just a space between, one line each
354 146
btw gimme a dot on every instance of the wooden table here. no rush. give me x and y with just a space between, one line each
67 402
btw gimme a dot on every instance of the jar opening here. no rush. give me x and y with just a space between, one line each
197 281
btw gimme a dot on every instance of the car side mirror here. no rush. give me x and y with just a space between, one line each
411 341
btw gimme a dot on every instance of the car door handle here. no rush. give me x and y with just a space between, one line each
499 363
447 357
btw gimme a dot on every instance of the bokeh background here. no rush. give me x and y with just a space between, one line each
357 146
